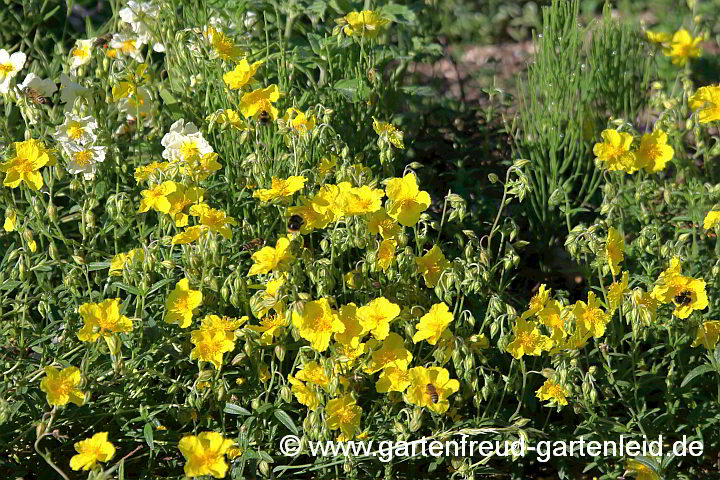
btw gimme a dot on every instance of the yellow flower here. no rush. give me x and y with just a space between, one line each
214 219
393 379
30 156
228 117
224 323
646 305
201 167
280 188
180 304
375 317
432 265
654 152
707 335
317 324
528 340
392 353
269 259
143 173
615 250
554 392
686 293
121 259
433 324
10 220
425 382
343 414
617 292
365 24
205 454
92 450
224 46
60 387
260 100
615 152
179 199
189 235
313 372
658 37
683 46
407 202
353 331
537 302
711 219
156 197
706 103
243 73
358 201
102 319
269 327
299 121
381 223
386 254
590 317
210 344
304 394
388 132
641 471
311 218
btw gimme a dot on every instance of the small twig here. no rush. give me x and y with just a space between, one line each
114 467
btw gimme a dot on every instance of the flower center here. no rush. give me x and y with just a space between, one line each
23 165
5 68
75 130
128 46
594 316
83 157
189 149
80 52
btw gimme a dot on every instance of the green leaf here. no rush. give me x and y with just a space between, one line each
128 288
353 88
695 372
148 433
233 409
97 266
287 421
397 13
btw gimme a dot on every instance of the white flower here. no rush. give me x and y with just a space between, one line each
70 90
127 45
10 65
138 103
83 159
184 142
44 87
81 53
77 129
137 15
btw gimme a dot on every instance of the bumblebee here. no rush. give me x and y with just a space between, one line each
264 117
253 244
432 391
102 40
683 298
35 96
295 223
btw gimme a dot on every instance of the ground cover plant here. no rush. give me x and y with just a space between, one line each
225 223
